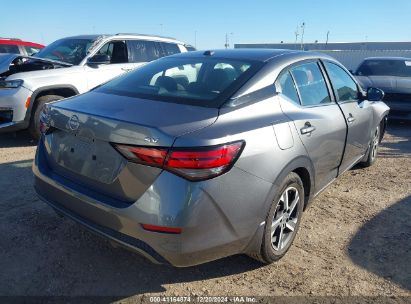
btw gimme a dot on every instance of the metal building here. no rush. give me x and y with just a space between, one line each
348 53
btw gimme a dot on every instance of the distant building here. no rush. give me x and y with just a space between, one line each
348 53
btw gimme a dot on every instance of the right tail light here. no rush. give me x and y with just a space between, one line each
191 163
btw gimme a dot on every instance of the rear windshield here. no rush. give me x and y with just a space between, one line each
196 81
381 67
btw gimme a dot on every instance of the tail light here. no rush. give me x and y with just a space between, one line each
44 123
191 163
154 228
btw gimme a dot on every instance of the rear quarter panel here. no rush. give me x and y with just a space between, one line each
244 194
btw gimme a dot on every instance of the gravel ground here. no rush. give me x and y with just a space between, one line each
354 241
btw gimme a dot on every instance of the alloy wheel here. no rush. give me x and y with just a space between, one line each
375 143
285 219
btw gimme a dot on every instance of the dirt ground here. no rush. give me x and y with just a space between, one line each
355 240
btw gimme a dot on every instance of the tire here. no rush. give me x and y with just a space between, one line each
274 247
34 126
373 149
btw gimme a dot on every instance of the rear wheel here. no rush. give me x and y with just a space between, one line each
283 219
34 126
373 149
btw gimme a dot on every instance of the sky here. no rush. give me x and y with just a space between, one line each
206 24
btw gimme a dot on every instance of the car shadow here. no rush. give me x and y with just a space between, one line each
43 254
382 246
16 139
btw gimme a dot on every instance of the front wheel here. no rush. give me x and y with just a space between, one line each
373 149
283 219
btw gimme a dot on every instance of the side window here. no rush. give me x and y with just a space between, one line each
286 84
345 88
106 49
311 84
170 48
31 50
117 50
143 51
9 48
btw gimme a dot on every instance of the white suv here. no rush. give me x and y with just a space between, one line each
68 67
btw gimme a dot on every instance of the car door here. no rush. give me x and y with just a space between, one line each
357 112
119 63
317 118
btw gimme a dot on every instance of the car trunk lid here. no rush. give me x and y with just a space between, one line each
85 127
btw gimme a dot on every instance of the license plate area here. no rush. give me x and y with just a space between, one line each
86 156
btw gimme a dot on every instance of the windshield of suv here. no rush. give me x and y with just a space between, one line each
69 50
195 81
385 67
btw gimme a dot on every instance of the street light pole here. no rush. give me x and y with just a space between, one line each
227 42
302 35
326 41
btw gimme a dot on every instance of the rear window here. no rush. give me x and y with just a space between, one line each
170 48
197 81
381 67
9 48
31 50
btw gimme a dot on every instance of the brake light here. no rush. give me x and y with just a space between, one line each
143 155
191 163
44 123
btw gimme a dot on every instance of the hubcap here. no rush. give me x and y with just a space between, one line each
375 142
285 219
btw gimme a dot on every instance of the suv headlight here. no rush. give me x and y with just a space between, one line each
10 84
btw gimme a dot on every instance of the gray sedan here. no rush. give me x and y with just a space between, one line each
203 155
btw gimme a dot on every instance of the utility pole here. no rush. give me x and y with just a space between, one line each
302 35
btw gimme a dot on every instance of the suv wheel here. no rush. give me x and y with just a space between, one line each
283 219
34 126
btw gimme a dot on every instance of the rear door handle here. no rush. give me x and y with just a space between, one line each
126 69
350 118
307 129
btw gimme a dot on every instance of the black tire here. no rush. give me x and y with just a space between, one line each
373 148
269 252
34 126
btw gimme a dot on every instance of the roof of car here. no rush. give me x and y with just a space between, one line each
248 54
15 41
125 35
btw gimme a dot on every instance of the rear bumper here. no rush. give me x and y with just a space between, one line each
208 231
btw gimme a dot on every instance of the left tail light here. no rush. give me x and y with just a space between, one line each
44 124
191 163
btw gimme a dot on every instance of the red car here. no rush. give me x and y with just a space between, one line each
17 46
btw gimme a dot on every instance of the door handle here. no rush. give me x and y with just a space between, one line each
350 118
307 129
126 69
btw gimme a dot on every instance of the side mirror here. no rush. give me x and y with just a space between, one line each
351 71
374 94
99 59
